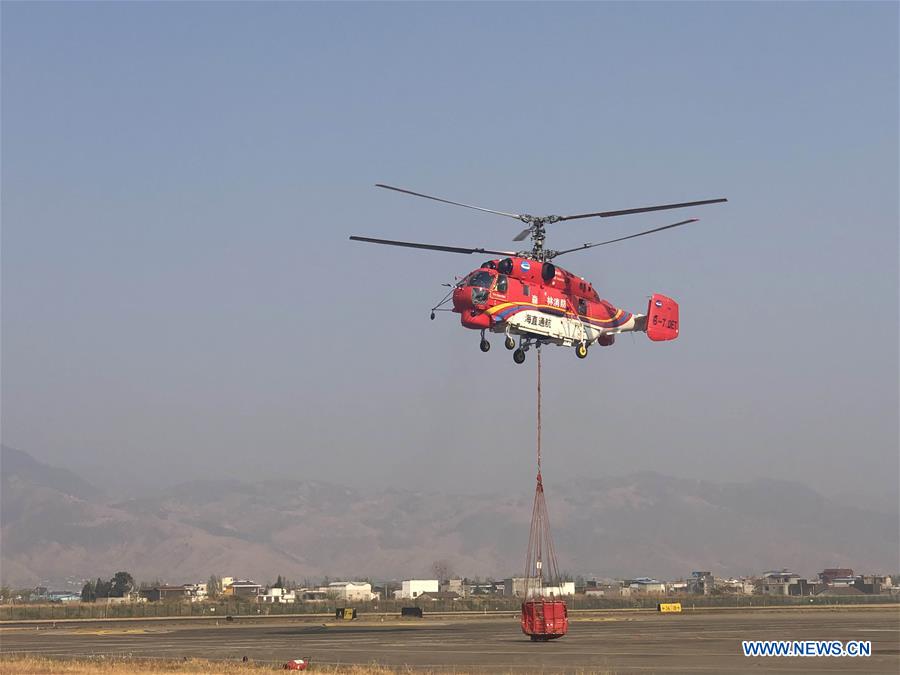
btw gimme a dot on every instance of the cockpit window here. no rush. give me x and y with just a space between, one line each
501 283
480 279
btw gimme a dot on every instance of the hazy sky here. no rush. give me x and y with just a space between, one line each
180 299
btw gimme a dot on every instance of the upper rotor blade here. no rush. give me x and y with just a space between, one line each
642 209
630 236
447 201
430 247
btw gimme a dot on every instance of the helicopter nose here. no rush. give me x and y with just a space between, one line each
462 299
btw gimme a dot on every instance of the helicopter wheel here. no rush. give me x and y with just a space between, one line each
519 355
581 350
485 345
509 343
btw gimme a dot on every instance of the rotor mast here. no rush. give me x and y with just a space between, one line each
538 235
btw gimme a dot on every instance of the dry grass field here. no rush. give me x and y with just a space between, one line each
31 665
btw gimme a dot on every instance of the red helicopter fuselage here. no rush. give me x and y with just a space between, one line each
490 297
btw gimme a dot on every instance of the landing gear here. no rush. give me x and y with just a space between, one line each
485 345
519 355
581 350
509 343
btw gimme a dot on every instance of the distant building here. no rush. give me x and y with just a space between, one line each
827 576
702 583
597 589
243 588
197 592
454 586
735 586
277 595
516 586
873 584
413 588
779 583
63 596
313 595
434 597
351 591
481 588
161 593
646 585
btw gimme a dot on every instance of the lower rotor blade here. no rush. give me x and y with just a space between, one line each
430 247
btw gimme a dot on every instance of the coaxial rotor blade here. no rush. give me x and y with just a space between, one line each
522 235
642 209
447 201
430 247
631 236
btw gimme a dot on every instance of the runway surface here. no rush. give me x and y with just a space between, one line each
598 642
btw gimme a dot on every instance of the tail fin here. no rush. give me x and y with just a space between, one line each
662 318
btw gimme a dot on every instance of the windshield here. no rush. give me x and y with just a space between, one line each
481 279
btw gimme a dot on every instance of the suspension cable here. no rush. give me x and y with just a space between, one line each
539 411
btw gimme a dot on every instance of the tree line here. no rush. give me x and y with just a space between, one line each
121 584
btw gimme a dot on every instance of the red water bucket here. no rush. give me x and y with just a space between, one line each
545 619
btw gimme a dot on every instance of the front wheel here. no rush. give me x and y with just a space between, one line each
581 350
519 356
485 346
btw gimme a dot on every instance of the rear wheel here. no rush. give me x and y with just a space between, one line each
509 343
581 350
519 356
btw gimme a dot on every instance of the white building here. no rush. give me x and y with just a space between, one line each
198 592
646 585
351 591
276 595
413 588
564 588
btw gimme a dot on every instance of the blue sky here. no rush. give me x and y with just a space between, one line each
180 298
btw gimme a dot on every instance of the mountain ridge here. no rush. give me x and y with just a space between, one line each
55 526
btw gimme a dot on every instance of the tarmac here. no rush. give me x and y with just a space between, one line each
604 642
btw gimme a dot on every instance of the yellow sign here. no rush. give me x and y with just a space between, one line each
668 607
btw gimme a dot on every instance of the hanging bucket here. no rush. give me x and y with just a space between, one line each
545 619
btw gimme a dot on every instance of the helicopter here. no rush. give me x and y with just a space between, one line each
532 301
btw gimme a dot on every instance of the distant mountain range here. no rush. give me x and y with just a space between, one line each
56 525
